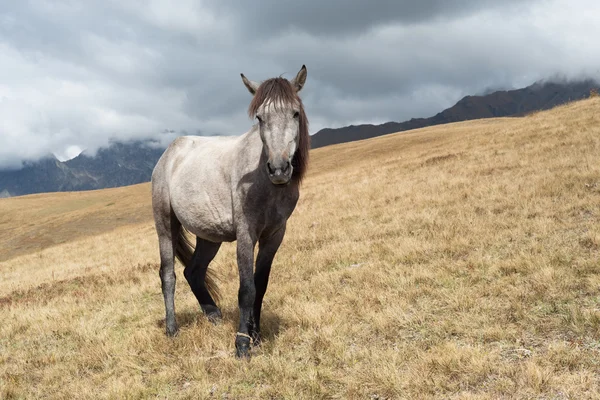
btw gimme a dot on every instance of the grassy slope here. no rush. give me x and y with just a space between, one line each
459 261
34 222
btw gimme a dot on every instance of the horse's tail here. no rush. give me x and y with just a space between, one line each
184 252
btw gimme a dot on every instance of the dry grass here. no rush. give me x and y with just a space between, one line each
459 261
38 221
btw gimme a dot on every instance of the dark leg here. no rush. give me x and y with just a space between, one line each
266 252
168 230
246 294
195 274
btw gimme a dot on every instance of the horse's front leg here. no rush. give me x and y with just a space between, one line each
246 294
268 246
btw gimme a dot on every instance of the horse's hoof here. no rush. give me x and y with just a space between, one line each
213 314
172 331
214 318
242 354
242 348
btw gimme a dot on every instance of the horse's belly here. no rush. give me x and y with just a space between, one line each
207 215
215 234
209 225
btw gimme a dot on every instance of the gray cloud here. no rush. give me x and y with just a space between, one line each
341 18
77 74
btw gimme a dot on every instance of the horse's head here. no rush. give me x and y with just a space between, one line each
282 125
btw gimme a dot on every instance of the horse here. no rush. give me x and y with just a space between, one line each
232 188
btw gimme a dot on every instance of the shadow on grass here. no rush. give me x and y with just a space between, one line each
183 318
270 323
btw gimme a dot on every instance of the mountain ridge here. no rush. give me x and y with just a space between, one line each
120 164
128 163
500 103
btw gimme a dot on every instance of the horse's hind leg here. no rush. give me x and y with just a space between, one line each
168 229
195 274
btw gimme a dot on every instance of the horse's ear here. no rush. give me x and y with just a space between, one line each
300 79
250 85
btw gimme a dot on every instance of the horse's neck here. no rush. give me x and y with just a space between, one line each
249 150
249 144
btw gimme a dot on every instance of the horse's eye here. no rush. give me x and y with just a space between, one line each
259 119
296 114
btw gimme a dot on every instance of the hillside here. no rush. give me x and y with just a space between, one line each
35 222
503 103
455 261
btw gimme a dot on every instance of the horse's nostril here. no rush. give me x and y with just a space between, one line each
278 169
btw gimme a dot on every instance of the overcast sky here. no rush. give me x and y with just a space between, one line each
77 73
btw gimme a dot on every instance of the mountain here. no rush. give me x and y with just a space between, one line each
129 163
120 164
539 96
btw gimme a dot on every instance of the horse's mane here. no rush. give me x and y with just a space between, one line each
280 92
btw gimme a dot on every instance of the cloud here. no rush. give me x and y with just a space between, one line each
342 18
75 75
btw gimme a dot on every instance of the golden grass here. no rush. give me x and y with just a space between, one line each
38 221
459 261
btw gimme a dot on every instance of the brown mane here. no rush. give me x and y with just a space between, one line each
280 91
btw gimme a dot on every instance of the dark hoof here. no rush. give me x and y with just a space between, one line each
242 347
212 313
172 331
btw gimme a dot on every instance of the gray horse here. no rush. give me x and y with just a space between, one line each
223 189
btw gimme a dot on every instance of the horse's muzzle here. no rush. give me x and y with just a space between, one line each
280 173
